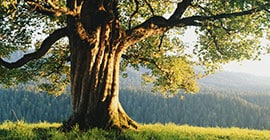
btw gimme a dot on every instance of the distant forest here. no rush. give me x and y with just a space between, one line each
210 107
225 100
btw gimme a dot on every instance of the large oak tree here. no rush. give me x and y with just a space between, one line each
86 43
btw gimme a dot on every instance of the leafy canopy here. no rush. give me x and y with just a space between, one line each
227 30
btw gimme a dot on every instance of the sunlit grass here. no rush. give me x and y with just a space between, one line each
191 132
22 130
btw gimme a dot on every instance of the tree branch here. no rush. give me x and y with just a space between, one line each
153 26
267 10
150 7
161 41
45 46
224 15
215 40
52 9
134 13
220 21
147 60
195 20
158 25
181 8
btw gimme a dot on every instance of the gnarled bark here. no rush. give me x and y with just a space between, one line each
95 58
95 86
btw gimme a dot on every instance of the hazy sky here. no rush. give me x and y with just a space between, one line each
260 68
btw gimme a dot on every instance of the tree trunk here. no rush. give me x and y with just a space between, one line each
95 90
95 58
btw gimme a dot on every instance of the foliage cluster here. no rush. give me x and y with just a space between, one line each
21 130
227 31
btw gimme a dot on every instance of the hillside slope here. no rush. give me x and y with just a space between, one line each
237 81
224 100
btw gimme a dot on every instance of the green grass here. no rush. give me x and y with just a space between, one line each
42 131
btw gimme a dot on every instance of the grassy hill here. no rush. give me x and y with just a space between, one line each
21 130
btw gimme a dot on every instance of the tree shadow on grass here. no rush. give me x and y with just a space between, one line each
5 134
43 133
39 133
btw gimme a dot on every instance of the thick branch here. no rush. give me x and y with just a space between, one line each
158 25
181 8
221 16
220 21
153 26
52 9
45 46
195 20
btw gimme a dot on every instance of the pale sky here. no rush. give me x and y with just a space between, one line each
259 68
